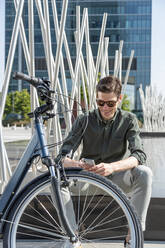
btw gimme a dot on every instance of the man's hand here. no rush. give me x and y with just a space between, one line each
102 169
106 169
68 162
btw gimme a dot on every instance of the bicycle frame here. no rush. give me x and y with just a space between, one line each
37 146
20 172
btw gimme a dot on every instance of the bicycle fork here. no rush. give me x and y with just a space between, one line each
57 198
56 185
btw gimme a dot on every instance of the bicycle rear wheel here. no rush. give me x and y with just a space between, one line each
98 211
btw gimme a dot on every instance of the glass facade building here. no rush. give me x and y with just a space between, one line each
128 20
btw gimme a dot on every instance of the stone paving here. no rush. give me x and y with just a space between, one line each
16 133
149 244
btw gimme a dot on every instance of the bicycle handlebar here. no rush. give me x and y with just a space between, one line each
32 80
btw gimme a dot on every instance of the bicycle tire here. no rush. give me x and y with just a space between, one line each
103 214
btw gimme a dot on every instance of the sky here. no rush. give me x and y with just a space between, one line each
158 45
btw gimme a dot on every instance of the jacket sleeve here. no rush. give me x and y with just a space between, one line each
135 143
73 140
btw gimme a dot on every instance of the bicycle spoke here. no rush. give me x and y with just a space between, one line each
47 211
107 222
101 223
109 238
36 229
78 203
38 236
107 229
100 215
91 244
44 222
87 208
84 205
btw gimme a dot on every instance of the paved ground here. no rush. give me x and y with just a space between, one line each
16 133
149 244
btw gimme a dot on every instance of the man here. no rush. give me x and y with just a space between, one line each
105 138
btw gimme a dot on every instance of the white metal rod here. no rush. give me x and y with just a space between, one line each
100 49
82 77
48 40
43 29
120 68
2 161
119 58
6 84
60 42
88 58
107 59
50 61
23 39
65 39
128 71
115 63
78 57
84 85
33 94
6 81
104 57
77 39
31 37
43 26
11 56
8 168
67 115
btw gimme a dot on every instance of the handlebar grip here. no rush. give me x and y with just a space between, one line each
32 80
22 76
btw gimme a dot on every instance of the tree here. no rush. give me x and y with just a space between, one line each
18 102
125 103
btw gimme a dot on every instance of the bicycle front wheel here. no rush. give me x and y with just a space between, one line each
97 210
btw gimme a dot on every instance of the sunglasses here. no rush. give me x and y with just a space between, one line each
110 104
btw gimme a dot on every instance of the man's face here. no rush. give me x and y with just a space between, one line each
107 104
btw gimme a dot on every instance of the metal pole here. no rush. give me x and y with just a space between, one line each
104 57
74 85
115 63
99 54
23 39
33 93
107 59
68 115
60 42
48 40
11 57
65 40
118 59
6 84
128 71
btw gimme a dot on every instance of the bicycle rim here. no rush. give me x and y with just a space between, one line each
97 210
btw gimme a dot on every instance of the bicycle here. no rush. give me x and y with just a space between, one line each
99 213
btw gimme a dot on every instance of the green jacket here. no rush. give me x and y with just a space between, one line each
105 141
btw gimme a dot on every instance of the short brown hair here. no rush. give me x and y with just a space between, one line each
109 84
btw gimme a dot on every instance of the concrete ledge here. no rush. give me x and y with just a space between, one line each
155 225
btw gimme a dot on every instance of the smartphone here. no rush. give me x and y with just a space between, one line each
88 161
